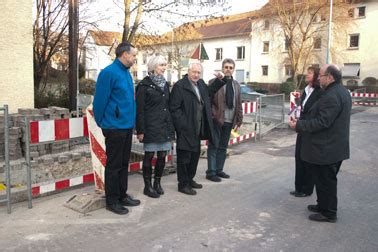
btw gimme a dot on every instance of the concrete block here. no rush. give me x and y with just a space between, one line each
86 202
48 161
63 159
76 156
34 154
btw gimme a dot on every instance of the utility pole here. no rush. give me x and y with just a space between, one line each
73 47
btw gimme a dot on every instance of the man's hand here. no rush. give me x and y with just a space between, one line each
292 122
140 137
236 128
219 75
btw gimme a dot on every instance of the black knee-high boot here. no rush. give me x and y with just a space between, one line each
159 169
147 174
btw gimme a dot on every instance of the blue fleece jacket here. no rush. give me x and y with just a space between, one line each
114 100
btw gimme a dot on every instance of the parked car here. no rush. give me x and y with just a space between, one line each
249 94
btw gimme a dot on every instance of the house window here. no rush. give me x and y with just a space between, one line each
361 11
266 24
144 73
240 53
354 40
288 71
287 44
266 47
218 53
264 70
351 70
318 43
144 59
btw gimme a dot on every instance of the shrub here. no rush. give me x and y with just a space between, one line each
87 86
287 87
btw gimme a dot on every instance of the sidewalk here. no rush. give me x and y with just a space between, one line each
252 211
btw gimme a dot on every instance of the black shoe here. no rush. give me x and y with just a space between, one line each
148 189
117 208
213 178
128 201
321 218
222 174
157 186
299 194
313 208
195 185
187 190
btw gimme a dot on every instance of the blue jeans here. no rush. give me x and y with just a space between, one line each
217 151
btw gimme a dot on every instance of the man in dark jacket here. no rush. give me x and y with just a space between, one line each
325 135
114 112
227 114
191 115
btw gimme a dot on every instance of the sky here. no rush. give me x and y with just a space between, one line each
115 17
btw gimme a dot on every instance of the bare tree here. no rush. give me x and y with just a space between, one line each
303 25
165 10
50 34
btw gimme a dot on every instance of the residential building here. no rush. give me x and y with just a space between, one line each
16 43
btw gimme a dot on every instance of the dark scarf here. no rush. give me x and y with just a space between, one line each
229 93
159 80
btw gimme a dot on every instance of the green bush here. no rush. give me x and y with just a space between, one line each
287 87
61 99
87 86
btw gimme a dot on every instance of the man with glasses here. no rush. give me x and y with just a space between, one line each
325 134
227 115
114 111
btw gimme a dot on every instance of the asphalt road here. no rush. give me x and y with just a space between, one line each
252 211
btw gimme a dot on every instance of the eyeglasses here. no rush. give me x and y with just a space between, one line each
228 67
321 75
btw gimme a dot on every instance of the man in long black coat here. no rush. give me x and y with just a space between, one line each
191 114
325 135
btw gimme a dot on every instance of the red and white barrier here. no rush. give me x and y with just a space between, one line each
62 184
364 95
293 96
60 129
249 107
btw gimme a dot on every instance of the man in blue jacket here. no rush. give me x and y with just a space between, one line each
114 112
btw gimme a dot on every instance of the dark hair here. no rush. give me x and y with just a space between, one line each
334 72
123 47
228 60
315 78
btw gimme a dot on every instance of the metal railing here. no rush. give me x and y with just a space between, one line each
7 163
271 113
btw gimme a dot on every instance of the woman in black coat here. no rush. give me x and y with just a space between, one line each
304 184
154 124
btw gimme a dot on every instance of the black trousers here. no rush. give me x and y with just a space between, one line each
118 148
187 162
303 177
325 178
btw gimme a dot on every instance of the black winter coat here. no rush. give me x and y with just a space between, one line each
184 105
315 95
325 130
153 118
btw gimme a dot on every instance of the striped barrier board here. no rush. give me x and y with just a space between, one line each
293 97
235 140
59 129
249 107
364 95
366 103
59 185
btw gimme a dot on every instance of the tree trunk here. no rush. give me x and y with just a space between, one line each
126 24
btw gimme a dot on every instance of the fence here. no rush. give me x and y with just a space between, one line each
360 97
271 113
5 143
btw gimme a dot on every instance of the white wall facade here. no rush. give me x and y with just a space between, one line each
16 50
